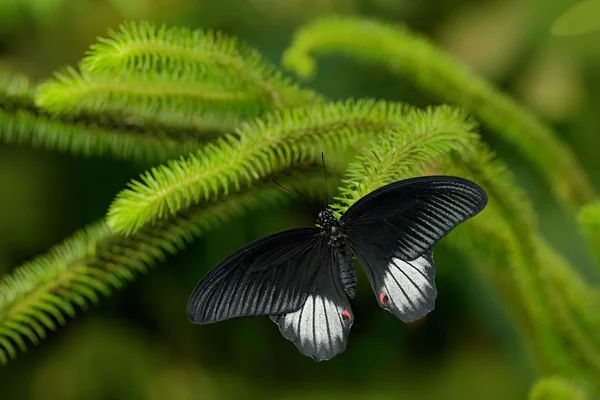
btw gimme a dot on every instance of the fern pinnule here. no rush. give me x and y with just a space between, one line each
187 55
409 54
421 138
258 148
42 294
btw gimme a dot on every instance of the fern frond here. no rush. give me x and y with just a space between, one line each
498 181
553 299
407 53
92 136
495 253
152 97
259 148
557 388
184 55
589 223
421 138
21 122
42 294
570 299
174 76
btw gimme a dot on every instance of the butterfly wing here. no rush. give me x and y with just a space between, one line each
321 327
391 232
272 275
405 288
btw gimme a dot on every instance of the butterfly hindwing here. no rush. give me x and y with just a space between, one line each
321 327
391 232
270 276
405 288
408 217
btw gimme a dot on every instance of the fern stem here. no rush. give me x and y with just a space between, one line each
407 53
41 294
264 146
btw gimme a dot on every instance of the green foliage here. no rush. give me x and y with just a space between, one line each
423 137
556 388
148 96
187 56
409 54
548 296
146 92
259 148
174 76
22 122
39 295
589 221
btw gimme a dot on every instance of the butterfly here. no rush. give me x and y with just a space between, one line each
303 278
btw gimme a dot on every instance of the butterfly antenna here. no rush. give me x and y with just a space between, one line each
297 194
325 178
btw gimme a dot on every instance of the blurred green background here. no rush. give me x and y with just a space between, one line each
138 344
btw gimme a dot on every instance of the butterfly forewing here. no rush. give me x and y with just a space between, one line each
391 232
270 276
321 327
408 217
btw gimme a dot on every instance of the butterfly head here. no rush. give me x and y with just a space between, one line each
326 218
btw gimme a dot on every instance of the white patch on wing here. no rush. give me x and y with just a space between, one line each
408 288
318 329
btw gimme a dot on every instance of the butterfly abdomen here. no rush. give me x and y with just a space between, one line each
347 272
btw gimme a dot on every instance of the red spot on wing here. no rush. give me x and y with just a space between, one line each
346 316
384 299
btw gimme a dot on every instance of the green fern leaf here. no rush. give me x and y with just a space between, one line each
407 53
172 76
21 122
551 299
259 148
184 55
43 293
152 97
422 137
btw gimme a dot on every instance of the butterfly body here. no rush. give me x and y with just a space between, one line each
347 272
303 278
333 231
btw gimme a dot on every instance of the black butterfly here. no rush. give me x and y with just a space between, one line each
302 278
